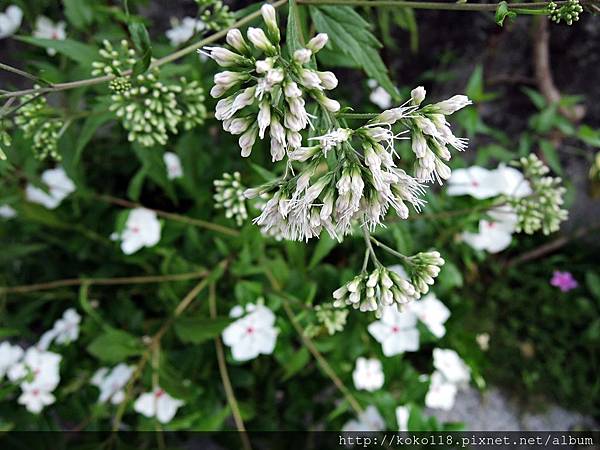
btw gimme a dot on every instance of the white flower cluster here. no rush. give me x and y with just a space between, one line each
383 287
450 375
229 196
268 93
543 209
149 108
37 370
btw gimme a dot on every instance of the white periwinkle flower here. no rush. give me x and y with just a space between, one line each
58 184
7 212
396 331
112 382
182 31
157 404
482 183
142 229
368 374
64 331
10 21
441 393
368 420
9 356
173 165
432 312
47 29
494 235
252 335
451 366
402 416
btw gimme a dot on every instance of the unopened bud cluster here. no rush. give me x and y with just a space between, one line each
568 12
229 196
215 15
149 109
268 92
542 210
41 124
329 319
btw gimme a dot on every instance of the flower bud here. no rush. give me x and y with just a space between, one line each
318 42
452 105
417 95
328 80
236 40
302 55
259 39
269 15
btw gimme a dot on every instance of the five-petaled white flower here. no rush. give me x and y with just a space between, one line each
58 184
112 382
402 416
475 181
64 331
9 356
368 420
252 335
451 366
514 183
368 374
34 398
142 229
10 21
7 212
182 31
432 312
496 234
396 331
173 165
47 29
441 393
157 404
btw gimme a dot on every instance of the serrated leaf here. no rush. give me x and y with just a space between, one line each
115 346
351 34
78 52
503 12
200 329
294 37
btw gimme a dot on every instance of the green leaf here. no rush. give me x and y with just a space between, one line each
502 12
115 346
95 120
200 329
589 135
78 52
592 281
294 37
351 34
551 156
296 363
323 248
134 189
141 40
79 12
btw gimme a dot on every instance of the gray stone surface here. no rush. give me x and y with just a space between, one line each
492 410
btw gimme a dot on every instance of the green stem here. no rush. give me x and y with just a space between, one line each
368 238
357 116
390 250
21 73
440 6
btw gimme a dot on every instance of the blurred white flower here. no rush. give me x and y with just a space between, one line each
182 31
368 374
64 331
35 398
496 234
10 21
47 29
432 312
142 229
380 97
368 420
402 416
112 382
9 356
475 181
514 183
59 187
173 165
396 331
157 404
252 335
7 212
441 393
451 366
483 340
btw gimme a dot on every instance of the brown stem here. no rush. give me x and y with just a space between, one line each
543 71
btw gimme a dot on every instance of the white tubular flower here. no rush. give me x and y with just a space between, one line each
247 140
302 56
269 16
252 335
310 79
10 21
260 40
417 95
368 374
391 116
328 80
328 103
452 105
318 42
157 404
236 40
291 89
264 117
278 142
224 57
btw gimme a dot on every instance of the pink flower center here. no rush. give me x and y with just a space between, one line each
159 393
135 229
395 329
491 224
475 183
35 392
249 330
